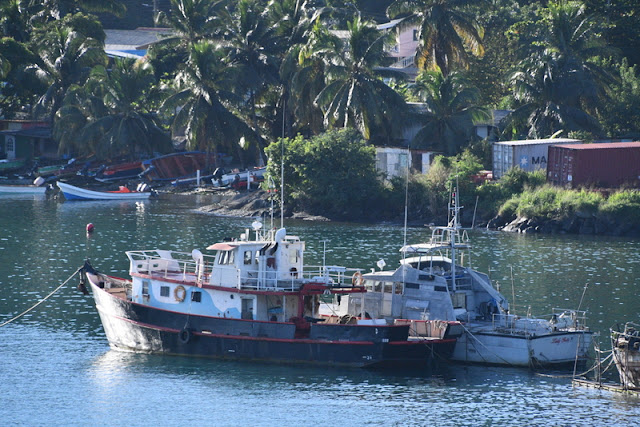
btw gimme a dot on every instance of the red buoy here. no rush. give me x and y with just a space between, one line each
90 228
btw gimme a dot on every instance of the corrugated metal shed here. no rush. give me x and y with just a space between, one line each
529 155
605 165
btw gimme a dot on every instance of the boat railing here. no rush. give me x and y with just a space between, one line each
171 265
184 266
568 319
517 325
333 276
561 320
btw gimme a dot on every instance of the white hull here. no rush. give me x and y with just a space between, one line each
520 350
22 189
76 193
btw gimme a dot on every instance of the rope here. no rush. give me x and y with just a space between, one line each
482 344
595 365
42 300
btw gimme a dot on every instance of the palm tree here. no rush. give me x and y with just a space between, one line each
452 107
118 121
446 32
355 95
58 9
250 41
558 85
65 56
307 67
549 99
205 105
193 20
14 19
297 25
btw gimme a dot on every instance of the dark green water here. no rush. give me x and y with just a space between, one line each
56 367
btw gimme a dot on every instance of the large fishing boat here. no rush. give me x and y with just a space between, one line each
252 300
432 282
625 345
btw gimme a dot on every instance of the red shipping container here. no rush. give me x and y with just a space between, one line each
602 165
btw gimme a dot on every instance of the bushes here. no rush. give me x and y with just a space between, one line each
332 174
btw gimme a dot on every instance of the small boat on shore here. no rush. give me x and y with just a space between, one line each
239 180
432 282
23 189
178 166
72 192
253 300
625 345
120 171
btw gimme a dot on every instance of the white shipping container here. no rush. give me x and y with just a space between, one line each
529 155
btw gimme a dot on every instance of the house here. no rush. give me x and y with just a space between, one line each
392 161
27 143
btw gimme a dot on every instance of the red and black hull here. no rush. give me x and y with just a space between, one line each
135 327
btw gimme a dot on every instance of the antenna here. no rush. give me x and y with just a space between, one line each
282 185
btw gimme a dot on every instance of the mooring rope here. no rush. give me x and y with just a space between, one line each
42 300
486 348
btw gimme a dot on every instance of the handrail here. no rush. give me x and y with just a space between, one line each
174 265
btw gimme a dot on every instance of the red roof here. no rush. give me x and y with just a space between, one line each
221 247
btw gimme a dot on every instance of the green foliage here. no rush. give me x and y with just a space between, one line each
623 205
547 202
332 174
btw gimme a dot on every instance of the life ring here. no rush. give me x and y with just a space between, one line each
180 293
184 336
357 279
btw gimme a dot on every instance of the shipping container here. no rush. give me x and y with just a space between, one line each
529 155
602 165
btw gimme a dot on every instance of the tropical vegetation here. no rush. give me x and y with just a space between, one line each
241 77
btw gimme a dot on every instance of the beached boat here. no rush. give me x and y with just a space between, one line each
432 282
23 189
625 345
120 171
252 300
238 180
181 165
72 192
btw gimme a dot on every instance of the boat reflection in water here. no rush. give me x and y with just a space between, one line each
252 300
432 282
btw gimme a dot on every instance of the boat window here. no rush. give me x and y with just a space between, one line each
248 257
257 257
388 287
196 296
164 291
399 288
226 257
293 256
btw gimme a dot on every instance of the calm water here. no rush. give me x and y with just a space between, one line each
56 367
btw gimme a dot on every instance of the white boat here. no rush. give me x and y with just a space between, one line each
76 193
23 189
249 178
432 282
252 300
625 345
